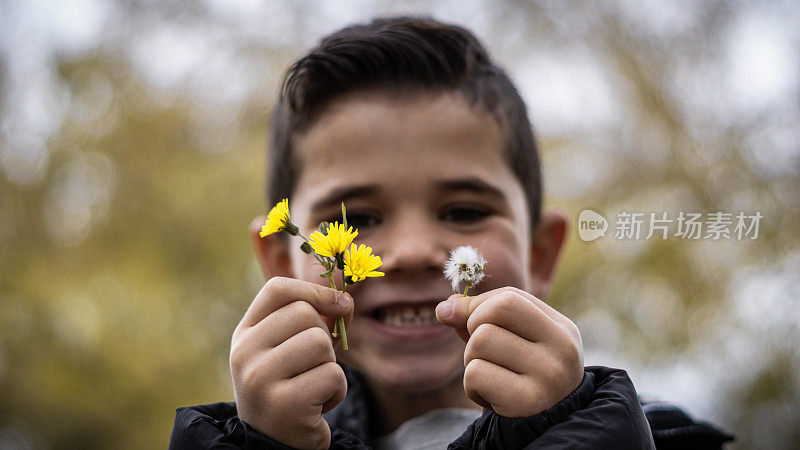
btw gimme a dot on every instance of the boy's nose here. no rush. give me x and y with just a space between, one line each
414 248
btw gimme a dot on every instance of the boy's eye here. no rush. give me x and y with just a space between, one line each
362 220
464 214
357 220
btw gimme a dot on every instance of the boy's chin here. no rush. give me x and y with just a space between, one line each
417 374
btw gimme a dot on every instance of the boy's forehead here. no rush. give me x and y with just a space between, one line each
375 136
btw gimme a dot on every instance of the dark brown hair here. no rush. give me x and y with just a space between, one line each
400 53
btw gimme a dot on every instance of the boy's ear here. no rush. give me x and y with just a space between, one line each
271 251
546 245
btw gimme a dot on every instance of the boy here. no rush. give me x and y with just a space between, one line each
427 142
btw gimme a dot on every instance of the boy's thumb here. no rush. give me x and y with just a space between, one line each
454 313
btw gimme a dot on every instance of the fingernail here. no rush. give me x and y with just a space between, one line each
341 299
444 309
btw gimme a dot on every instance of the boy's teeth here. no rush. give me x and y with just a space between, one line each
408 316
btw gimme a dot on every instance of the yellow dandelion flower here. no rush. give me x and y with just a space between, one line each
360 263
278 220
334 242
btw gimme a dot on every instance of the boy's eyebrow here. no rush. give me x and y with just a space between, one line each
340 194
471 184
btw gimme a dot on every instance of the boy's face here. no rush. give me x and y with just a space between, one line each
419 176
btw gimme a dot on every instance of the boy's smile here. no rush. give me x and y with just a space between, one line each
420 175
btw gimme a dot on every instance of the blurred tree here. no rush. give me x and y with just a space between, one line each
126 269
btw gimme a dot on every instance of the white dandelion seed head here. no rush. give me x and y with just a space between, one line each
465 265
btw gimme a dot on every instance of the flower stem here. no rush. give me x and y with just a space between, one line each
338 326
333 286
466 288
333 283
340 321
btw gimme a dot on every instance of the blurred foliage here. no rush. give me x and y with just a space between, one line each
125 262
112 320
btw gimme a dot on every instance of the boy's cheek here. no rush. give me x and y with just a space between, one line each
306 268
504 268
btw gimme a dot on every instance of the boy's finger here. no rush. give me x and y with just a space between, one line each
507 393
454 312
284 323
324 385
497 345
457 309
514 313
300 353
547 309
280 291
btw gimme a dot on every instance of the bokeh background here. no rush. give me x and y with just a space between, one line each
132 138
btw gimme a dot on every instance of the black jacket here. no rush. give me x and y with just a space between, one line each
602 413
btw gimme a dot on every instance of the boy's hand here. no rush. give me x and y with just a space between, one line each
522 356
283 364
